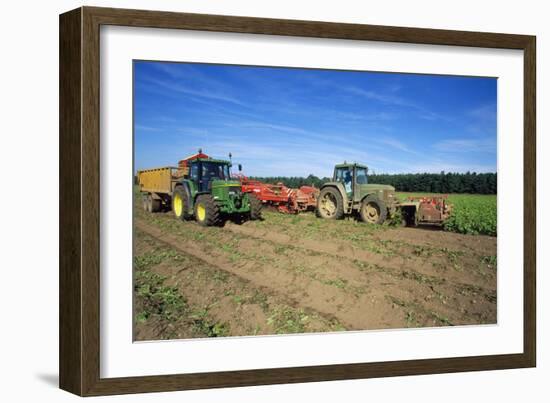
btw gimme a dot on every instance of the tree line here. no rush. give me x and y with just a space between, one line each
469 182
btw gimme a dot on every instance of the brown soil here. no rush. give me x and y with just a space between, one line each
290 274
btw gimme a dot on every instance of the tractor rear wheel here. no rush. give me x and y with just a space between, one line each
373 210
330 204
207 212
155 205
255 207
180 203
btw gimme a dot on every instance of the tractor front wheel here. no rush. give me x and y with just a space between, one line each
207 212
373 210
330 204
255 207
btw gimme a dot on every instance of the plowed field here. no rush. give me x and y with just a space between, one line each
296 274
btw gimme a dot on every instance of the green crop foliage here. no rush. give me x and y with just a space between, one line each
288 320
157 299
473 214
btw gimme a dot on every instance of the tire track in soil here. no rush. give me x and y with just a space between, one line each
371 311
218 297
347 251
216 261
421 236
413 236
451 296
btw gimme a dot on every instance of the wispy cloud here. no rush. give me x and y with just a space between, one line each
395 100
482 119
466 145
193 131
486 112
383 98
189 80
147 128
275 127
185 72
283 131
366 116
396 144
172 86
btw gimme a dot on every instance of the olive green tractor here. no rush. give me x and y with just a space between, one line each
350 192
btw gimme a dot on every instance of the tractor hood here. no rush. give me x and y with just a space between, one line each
229 196
372 187
225 183
383 192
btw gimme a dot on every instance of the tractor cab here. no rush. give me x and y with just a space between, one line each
205 171
350 176
213 176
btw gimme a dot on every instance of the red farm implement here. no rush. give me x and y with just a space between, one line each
285 199
432 210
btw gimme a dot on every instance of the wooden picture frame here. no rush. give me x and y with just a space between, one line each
80 186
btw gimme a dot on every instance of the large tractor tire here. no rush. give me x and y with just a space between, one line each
207 212
180 203
150 204
156 205
373 210
255 207
330 204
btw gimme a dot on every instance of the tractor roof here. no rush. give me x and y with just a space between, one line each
212 160
350 164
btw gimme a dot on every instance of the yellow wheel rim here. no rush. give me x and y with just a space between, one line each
328 205
201 212
178 205
372 212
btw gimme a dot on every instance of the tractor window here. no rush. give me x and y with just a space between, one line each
361 176
226 173
344 175
214 171
195 172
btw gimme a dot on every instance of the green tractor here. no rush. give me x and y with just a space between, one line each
349 192
201 188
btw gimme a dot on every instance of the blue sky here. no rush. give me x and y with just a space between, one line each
296 122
